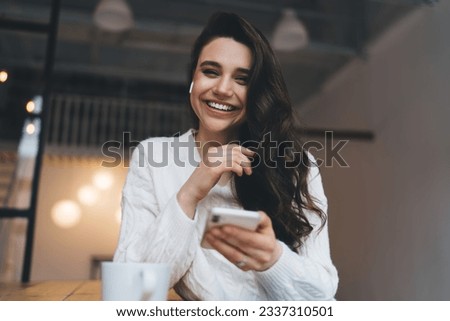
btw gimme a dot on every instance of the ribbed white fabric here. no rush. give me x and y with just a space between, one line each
155 229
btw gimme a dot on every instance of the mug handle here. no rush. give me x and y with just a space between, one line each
149 282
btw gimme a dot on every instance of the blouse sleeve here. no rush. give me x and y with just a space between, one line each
309 273
151 232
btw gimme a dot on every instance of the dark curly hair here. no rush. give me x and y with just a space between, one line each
278 184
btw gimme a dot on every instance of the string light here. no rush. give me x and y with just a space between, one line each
30 129
30 106
87 195
3 76
66 214
34 106
103 180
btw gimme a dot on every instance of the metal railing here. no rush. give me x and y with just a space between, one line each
80 124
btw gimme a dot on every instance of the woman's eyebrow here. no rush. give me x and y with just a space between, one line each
244 70
217 65
210 63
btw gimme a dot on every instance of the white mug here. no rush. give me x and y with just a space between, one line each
135 281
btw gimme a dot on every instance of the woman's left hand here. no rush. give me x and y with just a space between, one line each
249 250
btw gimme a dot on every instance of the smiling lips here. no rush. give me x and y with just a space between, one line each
221 107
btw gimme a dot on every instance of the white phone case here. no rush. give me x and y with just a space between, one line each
232 216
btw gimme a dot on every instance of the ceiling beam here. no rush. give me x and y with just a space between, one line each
23 25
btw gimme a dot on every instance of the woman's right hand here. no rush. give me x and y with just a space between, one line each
216 161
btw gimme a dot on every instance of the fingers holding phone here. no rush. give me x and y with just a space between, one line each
221 216
249 249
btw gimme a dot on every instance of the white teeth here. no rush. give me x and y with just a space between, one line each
220 106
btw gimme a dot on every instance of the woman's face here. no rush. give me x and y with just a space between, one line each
219 92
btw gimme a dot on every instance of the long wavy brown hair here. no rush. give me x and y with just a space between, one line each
278 184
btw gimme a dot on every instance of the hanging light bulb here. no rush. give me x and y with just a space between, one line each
290 33
113 15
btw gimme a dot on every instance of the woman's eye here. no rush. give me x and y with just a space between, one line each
242 80
210 72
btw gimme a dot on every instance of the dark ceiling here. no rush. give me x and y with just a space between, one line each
152 57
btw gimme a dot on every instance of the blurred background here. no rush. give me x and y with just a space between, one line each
81 81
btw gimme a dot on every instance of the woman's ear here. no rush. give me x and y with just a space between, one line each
190 88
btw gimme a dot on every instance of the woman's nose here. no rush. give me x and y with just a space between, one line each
223 87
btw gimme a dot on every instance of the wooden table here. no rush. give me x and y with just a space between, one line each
89 290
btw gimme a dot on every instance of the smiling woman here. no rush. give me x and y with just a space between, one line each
246 156
219 93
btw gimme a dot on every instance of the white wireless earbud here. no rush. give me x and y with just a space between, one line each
190 88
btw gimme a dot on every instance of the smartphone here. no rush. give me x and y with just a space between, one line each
233 216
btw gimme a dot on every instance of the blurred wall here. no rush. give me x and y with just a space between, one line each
390 209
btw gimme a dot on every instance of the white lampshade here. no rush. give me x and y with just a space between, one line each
290 34
113 15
